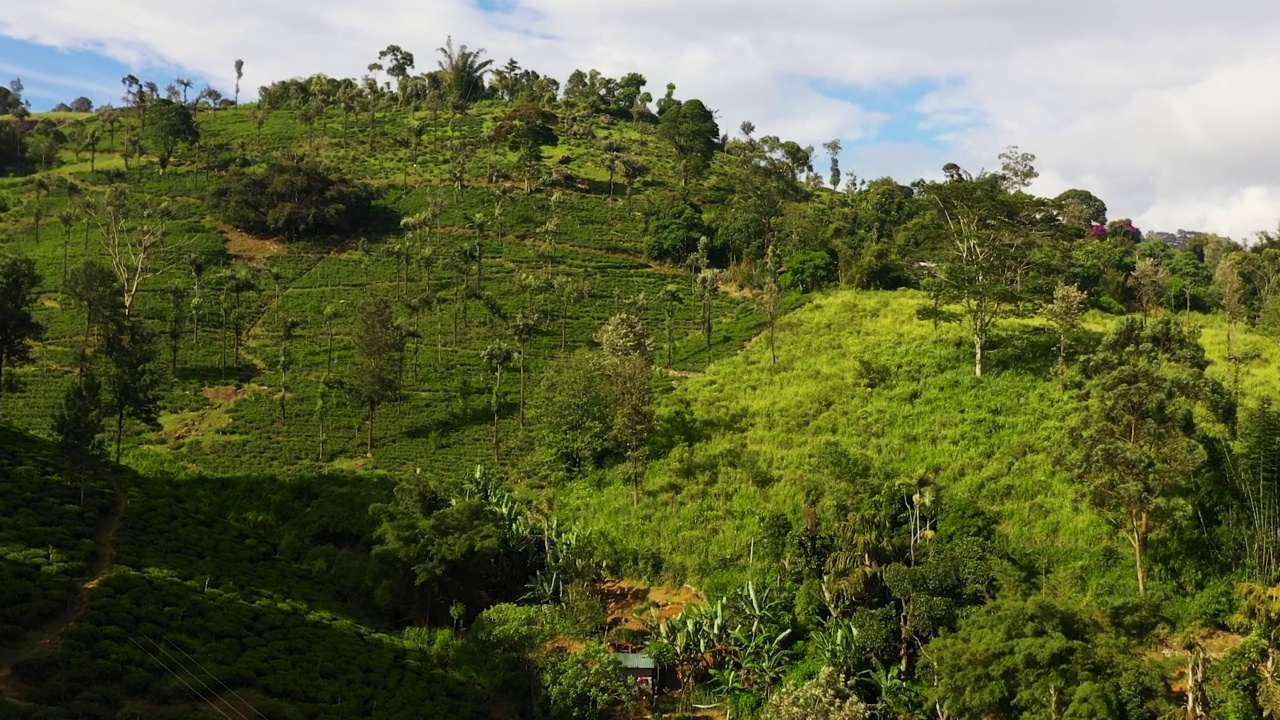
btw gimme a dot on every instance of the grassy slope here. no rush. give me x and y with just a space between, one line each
443 424
859 370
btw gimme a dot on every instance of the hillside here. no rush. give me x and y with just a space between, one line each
425 400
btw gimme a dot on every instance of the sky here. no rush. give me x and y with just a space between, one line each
1163 108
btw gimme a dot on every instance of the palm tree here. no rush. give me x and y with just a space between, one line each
671 299
41 186
479 222
463 73
496 357
523 328
66 218
186 85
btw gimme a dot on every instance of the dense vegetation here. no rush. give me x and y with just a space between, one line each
418 397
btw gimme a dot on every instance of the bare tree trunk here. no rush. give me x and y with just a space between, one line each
979 347
119 431
372 411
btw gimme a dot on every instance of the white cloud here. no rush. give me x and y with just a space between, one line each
1161 107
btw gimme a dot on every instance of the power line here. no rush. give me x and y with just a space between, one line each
215 679
179 678
203 684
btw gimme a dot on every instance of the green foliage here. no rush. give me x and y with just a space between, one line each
293 198
672 230
170 124
18 328
808 271
586 685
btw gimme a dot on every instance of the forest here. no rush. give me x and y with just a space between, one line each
451 389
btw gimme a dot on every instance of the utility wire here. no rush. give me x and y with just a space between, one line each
193 676
215 678
188 685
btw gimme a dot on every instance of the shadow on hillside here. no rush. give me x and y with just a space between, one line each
1033 351
278 660
458 420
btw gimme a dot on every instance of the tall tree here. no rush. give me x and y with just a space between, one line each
462 71
239 67
1134 441
133 235
67 219
178 298
94 287
526 129
523 328
496 358
1230 287
986 251
130 383
1017 169
18 329
284 365
1148 281
1069 303
691 130
671 298
170 125
833 149
77 426
707 284
374 377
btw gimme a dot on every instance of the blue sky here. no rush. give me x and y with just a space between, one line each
52 75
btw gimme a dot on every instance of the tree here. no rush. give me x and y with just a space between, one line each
1134 441
771 298
18 329
285 363
67 219
671 298
833 149
496 358
1080 209
77 426
829 696
1148 282
374 377
462 72
90 142
94 287
1017 169
523 328
526 129
613 154
691 130
1068 305
134 239
170 125
445 544
108 116
1227 282
628 370
632 171
986 250
239 67
42 188
707 285
177 323
295 198
130 383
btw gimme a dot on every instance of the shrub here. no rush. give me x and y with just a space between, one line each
292 198
808 270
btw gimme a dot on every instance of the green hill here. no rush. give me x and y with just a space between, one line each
427 399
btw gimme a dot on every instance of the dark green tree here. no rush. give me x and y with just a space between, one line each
496 358
1134 440
18 328
525 129
169 125
691 130
77 426
375 376
131 385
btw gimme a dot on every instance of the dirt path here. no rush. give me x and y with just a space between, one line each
40 640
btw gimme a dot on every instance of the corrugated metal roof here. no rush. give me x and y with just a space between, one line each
635 661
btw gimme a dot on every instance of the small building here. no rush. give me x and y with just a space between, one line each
639 667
